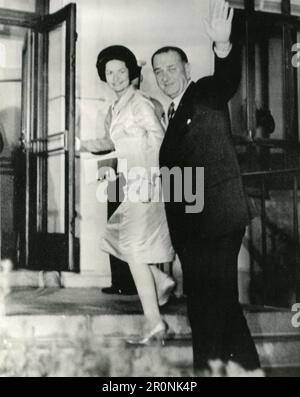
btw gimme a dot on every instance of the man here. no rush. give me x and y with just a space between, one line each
208 242
121 279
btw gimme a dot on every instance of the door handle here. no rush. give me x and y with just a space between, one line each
23 141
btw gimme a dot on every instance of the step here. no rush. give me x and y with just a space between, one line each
113 356
50 279
272 322
63 326
272 354
281 349
278 351
172 359
266 324
283 372
61 314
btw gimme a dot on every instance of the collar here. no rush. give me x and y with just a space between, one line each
177 100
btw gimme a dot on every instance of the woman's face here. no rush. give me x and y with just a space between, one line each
117 76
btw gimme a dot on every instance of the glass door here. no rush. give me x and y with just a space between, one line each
48 133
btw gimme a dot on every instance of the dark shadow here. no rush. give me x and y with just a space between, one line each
10 129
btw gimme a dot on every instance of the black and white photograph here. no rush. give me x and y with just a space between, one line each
149 190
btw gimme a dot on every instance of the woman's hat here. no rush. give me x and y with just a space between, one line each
119 53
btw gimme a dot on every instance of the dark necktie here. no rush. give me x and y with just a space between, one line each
171 111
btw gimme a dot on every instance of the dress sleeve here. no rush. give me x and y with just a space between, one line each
100 144
146 119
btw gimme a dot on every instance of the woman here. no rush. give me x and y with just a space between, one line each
137 232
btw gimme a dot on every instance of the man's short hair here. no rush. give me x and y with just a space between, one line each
163 50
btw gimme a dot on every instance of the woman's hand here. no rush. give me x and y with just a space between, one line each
106 173
145 192
102 174
77 144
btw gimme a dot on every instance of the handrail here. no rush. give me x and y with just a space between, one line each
263 186
271 172
276 143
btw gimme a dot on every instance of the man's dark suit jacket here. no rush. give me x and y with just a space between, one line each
199 135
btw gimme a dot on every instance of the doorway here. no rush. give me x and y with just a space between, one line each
43 162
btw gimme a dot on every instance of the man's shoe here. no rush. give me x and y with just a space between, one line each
110 290
123 291
118 291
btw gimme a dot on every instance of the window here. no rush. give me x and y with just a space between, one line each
19 5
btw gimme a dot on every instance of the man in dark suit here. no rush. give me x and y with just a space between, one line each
207 242
121 279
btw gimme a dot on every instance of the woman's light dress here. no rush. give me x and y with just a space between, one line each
137 232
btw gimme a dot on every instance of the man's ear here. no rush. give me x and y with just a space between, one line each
188 69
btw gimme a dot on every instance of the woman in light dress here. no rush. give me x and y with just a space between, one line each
137 232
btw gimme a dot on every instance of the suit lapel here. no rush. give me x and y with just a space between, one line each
171 146
180 118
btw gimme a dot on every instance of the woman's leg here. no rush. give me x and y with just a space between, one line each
160 277
165 285
145 286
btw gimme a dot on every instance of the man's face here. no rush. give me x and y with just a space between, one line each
171 72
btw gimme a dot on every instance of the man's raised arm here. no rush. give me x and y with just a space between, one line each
223 84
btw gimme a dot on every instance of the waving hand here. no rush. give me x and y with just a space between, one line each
219 28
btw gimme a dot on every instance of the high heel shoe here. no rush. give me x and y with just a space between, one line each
158 334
